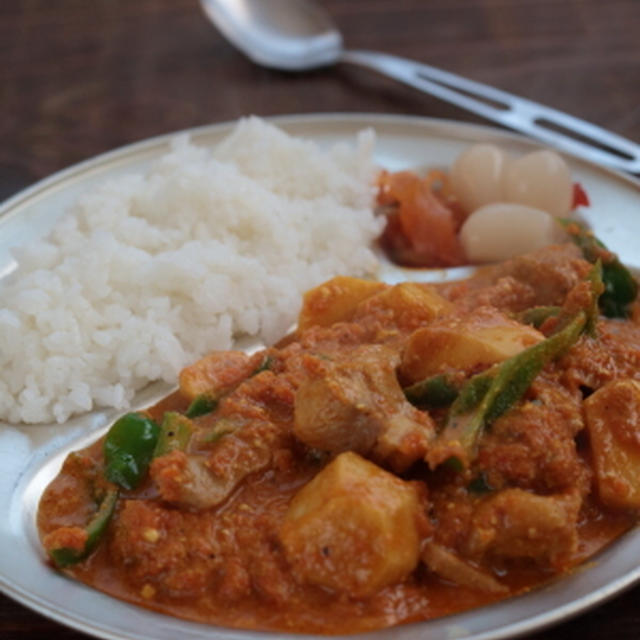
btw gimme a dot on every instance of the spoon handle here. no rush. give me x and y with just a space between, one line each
553 127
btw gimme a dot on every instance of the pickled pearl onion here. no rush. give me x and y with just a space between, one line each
477 175
502 230
540 179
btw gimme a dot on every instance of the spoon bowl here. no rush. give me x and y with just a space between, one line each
288 35
298 35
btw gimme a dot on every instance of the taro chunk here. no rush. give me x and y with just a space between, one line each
479 339
407 305
335 301
613 421
353 528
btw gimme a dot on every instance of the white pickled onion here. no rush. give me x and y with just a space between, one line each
541 180
477 175
502 230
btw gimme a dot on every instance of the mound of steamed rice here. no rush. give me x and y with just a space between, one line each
149 272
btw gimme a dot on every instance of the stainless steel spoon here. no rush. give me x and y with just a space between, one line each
297 35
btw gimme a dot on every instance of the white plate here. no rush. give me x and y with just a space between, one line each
31 456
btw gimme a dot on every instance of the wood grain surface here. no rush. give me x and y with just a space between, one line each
78 78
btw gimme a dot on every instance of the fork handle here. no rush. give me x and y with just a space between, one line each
553 127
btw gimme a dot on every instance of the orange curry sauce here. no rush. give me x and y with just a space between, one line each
216 532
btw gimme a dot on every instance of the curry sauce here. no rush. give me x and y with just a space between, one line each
412 452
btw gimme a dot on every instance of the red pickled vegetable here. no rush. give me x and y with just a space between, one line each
580 197
422 226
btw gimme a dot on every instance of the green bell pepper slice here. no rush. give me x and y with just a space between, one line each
175 433
433 392
64 556
620 287
128 449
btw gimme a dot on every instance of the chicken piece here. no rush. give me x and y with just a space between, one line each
517 524
479 339
337 413
184 480
200 482
538 278
594 363
405 306
335 300
353 529
217 373
552 272
246 450
613 421
449 566
505 294
356 404
405 438
249 427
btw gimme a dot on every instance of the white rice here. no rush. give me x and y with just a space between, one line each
149 272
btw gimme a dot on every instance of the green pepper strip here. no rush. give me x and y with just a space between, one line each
595 278
488 395
265 365
621 290
65 556
537 315
128 449
200 405
206 402
437 391
175 433
480 485
620 287
221 428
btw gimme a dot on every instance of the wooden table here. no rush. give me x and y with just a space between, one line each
79 78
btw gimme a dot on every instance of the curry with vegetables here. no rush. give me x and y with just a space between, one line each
412 451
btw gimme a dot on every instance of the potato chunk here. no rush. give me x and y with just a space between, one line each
613 421
407 305
353 528
483 337
335 300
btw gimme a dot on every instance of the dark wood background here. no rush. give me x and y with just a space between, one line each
78 78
